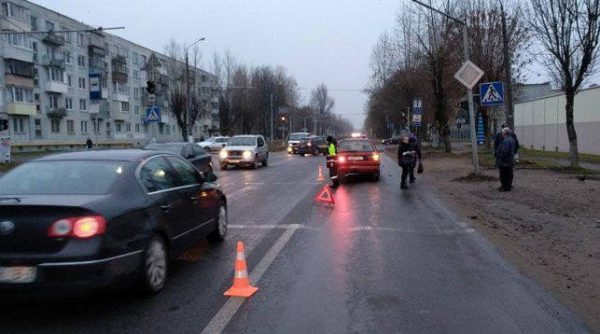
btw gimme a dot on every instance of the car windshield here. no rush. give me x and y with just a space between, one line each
211 139
298 136
242 141
62 178
356 146
165 147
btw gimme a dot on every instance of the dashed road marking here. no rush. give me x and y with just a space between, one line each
226 313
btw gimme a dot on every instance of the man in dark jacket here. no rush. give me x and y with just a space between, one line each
419 156
89 144
498 139
505 159
407 158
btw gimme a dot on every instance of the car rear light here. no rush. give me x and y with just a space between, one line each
341 159
309 144
376 156
78 227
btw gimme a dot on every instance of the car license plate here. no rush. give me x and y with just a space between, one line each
355 158
17 274
234 161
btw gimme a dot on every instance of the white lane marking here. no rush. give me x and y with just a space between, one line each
226 313
271 227
367 228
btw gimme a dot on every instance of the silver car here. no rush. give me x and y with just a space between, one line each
245 151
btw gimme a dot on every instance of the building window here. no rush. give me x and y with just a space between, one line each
81 60
55 126
55 74
80 39
121 87
137 128
38 128
136 74
50 26
18 126
20 94
135 58
19 40
118 126
34 23
161 128
108 129
16 12
136 93
82 83
96 127
125 106
128 127
168 130
53 101
70 80
82 104
136 109
145 128
66 35
84 125
69 103
70 127
68 58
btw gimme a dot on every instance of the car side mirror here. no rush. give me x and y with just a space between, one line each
210 177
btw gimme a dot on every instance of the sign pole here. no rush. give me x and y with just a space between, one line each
471 107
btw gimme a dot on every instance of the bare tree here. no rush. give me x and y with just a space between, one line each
569 30
322 103
176 95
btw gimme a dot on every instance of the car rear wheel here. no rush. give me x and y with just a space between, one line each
265 162
256 162
220 232
154 266
375 177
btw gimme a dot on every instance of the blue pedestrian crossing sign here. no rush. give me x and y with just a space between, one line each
491 94
152 115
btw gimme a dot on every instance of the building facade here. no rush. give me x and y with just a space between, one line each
540 123
65 87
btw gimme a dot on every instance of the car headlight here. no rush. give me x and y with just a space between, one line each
223 154
247 155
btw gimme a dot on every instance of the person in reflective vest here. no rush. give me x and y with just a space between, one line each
331 153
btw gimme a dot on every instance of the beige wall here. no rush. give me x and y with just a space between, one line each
540 124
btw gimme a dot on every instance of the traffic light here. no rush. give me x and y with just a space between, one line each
3 124
150 87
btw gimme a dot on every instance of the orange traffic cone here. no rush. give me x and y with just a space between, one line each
320 178
241 282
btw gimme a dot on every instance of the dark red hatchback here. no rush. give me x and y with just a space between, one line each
357 157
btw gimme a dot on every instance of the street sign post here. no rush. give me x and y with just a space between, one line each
480 130
5 149
417 112
491 94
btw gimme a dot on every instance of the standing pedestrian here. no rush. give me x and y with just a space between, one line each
331 153
407 157
413 139
505 160
498 139
89 144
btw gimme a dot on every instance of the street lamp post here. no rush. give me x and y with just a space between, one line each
189 120
469 91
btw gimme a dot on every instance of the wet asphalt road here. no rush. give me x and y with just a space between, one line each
381 261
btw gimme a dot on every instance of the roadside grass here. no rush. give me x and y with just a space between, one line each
277 146
472 177
592 158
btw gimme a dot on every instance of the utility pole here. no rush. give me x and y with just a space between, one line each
272 116
188 119
469 91
507 63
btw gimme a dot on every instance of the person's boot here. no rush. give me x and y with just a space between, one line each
403 185
412 180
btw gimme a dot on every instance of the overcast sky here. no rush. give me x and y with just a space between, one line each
315 40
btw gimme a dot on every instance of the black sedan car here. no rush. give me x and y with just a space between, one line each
78 221
312 145
191 152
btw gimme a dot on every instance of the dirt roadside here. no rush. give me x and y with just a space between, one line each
548 226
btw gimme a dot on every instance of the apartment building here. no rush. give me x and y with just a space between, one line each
64 87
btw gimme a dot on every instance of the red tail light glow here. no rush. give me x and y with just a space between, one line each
376 156
78 227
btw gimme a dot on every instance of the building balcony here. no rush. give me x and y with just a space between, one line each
53 62
22 54
119 76
53 39
56 113
121 97
100 110
56 87
96 44
20 108
14 80
9 23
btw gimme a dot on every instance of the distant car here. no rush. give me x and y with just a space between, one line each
214 144
81 221
395 140
191 152
245 151
356 157
295 139
312 145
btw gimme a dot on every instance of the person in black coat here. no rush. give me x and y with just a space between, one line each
407 158
498 139
505 160
419 157
89 144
